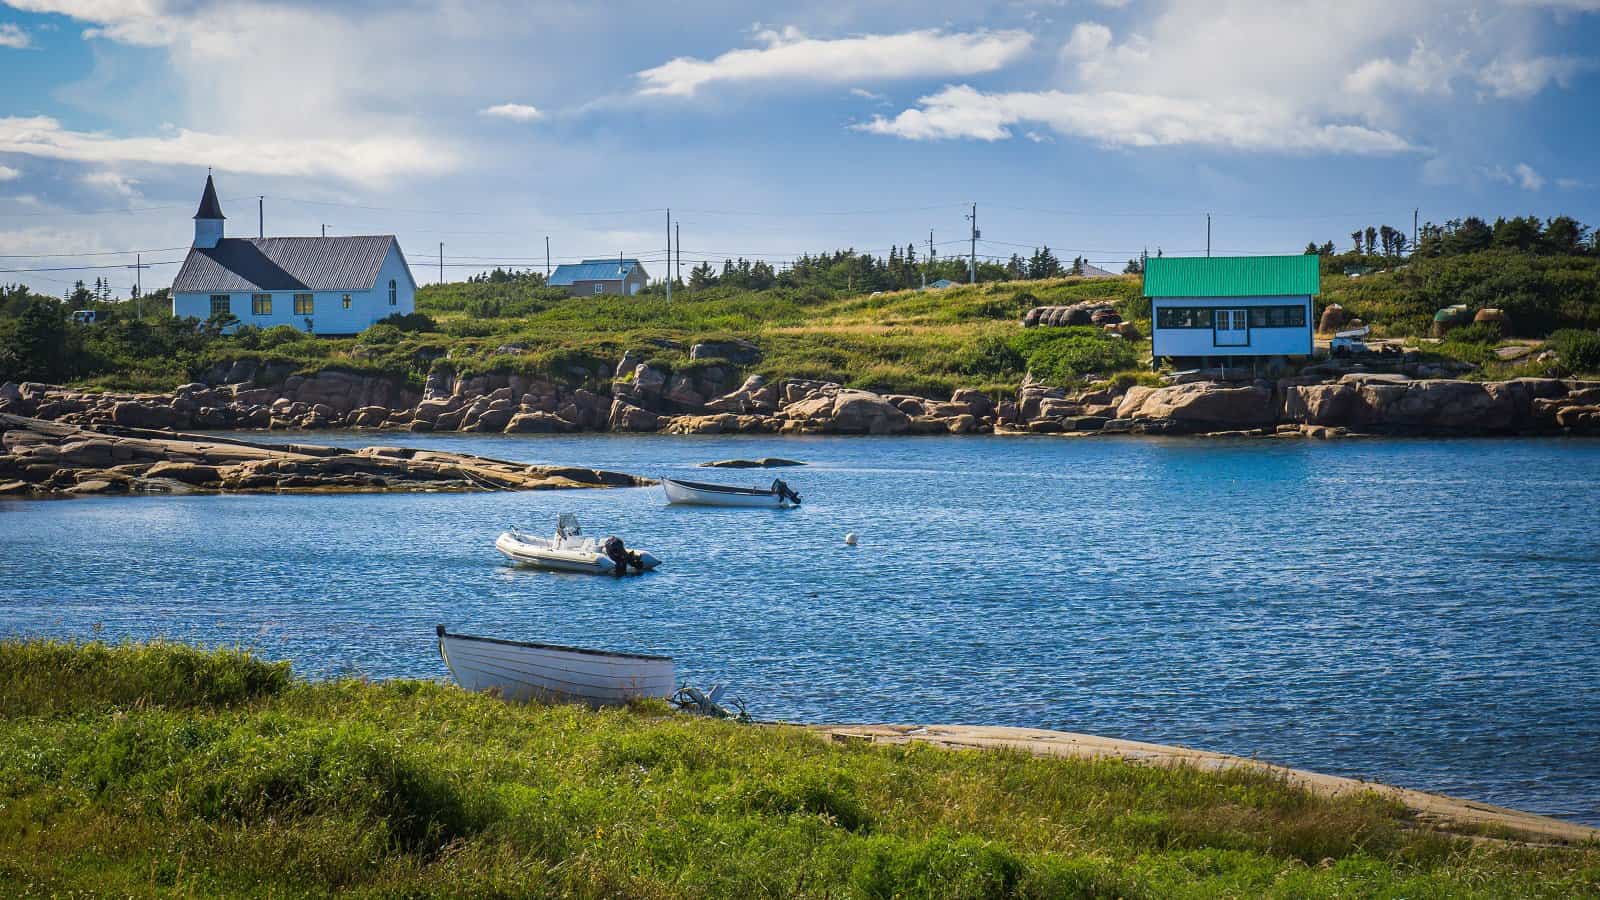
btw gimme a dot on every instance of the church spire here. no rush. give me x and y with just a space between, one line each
209 207
208 219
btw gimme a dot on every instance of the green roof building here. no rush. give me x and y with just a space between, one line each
1231 306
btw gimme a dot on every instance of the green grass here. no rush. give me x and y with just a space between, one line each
154 770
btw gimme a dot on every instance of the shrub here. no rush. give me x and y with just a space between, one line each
1065 355
1476 333
1579 351
381 333
414 321
279 335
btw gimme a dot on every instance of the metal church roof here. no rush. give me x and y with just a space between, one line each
593 270
285 264
1233 276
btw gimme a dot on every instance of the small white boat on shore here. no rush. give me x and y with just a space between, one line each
569 550
696 493
552 673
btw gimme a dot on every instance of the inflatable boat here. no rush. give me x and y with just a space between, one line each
569 550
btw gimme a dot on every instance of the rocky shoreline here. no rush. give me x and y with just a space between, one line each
1324 401
53 459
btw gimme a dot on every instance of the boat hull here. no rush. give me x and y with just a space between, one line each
549 673
562 559
689 493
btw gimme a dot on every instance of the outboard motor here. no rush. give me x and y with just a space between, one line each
784 492
621 556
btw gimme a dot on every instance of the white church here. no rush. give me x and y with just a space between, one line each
323 285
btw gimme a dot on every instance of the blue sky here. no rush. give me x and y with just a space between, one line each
1098 128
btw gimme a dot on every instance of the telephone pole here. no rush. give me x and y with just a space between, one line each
547 257
138 268
677 228
972 260
261 215
1208 234
324 229
669 254
441 262
1414 234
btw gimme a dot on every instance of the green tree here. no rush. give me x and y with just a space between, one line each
41 346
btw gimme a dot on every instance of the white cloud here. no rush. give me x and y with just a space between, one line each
865 94
1425 71
370 159
1128 120
9 174
1522 175
791 56
516 112
14 37
1571 184
1094 56
114 182
1567 5
1520 79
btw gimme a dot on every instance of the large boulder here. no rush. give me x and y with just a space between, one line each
863 412
627 417
135 414
539 422
1201 405
680 393
740 353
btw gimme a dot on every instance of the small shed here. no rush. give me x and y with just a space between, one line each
625 277
1231 306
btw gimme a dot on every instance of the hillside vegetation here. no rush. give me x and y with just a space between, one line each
156 770
845 317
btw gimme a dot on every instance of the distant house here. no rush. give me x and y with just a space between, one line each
1095 272
601 276
942 283
1238 306
329 285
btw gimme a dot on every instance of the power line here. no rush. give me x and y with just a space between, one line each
88 253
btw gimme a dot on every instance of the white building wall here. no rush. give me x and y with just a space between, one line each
1201 341
328 313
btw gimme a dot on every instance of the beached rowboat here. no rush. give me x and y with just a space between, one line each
695 493
551 673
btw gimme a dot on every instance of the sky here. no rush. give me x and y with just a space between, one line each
1099 128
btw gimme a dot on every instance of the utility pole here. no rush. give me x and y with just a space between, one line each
324 229
441 262
1414 234
138 268
669 254
677 228
1208 234
972 260
547 257
261 216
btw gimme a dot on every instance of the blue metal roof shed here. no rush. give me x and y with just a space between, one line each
592 270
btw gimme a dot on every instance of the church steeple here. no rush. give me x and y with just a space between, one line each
208 219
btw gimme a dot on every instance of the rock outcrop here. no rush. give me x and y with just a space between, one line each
42 458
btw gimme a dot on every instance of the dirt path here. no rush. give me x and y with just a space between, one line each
1451 814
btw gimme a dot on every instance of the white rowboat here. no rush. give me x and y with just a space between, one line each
568 551
551 673
695 493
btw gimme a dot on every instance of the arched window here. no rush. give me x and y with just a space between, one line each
394 293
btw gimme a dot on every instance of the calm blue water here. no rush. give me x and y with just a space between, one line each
1424 613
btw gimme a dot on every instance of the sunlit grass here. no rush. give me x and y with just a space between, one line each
157 769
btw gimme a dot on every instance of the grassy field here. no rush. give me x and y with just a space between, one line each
159 770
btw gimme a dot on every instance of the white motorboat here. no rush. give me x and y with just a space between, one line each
695 493
571 551
551 673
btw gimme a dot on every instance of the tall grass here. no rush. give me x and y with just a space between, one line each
212 773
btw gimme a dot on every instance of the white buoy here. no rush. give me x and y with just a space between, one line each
850 539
